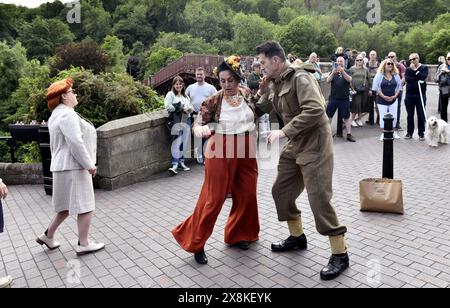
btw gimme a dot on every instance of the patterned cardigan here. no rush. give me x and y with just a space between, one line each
212 107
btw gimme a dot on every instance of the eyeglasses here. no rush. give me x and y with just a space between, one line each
390 64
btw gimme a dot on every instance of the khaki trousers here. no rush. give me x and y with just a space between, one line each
316 177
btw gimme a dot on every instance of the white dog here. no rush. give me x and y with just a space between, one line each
437 131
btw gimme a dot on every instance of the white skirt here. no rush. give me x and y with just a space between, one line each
73 191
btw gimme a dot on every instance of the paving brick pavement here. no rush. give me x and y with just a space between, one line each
135 222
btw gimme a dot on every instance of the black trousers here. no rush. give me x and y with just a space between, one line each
444 106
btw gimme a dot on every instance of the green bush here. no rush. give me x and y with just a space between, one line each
105 97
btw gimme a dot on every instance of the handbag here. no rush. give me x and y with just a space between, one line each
381 195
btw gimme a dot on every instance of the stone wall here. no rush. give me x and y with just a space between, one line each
21 174
132 149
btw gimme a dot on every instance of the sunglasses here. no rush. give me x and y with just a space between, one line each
448 59
72 91
390 64
413 59
359 60
391 57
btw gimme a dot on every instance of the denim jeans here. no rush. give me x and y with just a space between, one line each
180 134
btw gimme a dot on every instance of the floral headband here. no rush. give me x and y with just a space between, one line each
232 62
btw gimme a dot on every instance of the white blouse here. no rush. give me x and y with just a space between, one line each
235 120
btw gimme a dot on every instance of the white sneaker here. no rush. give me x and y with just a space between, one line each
382 137
91 248
396 136
174 169
354 124
360 124
5 281
183 166
49 242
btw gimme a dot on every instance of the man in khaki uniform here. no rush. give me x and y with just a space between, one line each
306 161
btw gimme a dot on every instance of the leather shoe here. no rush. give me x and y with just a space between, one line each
336 265
200 257
244 245
291 243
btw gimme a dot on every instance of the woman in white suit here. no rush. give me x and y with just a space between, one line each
73 144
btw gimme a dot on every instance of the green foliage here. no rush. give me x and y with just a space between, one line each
439 45
87 55
113 46
41 37
133 26
249 32
12 62
184 43
304 35
29 92
158 59
96 22
105 97
208 19
357 36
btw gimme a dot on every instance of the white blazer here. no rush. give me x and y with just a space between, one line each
73 141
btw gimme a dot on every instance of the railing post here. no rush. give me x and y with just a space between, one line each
388 147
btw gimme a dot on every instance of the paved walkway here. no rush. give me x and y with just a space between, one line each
135 222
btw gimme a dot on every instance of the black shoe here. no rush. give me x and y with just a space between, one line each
336 265
408 137
201 258
291 243
339 136
244 245
350 138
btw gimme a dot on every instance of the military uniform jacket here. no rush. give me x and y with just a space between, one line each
297 98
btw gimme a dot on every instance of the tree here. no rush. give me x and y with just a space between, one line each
415 41
357 36
304 35
12 63
208 19
380 38
439 45
267 9
158 59
184 43
113 46
41 37
133 26
31 89
96 22
87 55
250 31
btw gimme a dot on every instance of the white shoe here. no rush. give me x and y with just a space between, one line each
5 281
90 248
360 124
49 242
396 136
174 169
183 166
382 137
354 124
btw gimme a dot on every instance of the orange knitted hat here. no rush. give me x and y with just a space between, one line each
55 91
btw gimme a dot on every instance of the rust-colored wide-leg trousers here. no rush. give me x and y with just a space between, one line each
224 172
